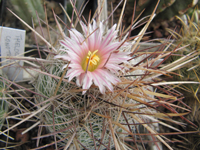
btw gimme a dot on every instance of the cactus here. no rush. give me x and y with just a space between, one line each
72 108
179 7
96 120
166 10
4 109
189 36
3 103
26 10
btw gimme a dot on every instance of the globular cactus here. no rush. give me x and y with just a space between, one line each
74 113
179 7
87 116
165 12
188 37
166 9
26 10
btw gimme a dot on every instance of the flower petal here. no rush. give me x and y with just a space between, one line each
87 81
71 73
103 79
97 82
84 28
77 47
79 79
110 48
110 36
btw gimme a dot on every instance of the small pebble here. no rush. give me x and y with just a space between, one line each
22 137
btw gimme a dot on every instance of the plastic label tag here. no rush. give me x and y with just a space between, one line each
12 43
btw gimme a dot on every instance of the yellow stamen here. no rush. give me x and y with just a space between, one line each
92 61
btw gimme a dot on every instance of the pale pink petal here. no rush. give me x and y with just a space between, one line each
96 33
99 37
75 66
87 81
113 67
97 82
94 25
73 47
71 73
119 57
101 78
81 46
91 39
77 36
84 28
85 48
67 45
64 66
77 47
110 48
103 61
74 58
69 57
67 42
79 79
109 37
110 76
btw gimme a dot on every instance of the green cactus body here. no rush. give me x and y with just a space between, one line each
69 112
70 108
163 5
26 10
166 9
149 6
189 36
179 7
3 103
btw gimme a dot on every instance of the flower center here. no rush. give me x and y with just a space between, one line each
91 62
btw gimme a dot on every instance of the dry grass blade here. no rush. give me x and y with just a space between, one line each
151 130
70 141
25 131
120 18
121 126
67 15
59 27
175 82
117 147
7 135
145 28
26 58
33 30
53 76
159 94
32 115
56 132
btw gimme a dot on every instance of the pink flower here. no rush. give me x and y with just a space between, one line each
94 56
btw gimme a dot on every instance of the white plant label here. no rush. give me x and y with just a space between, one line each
12 43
